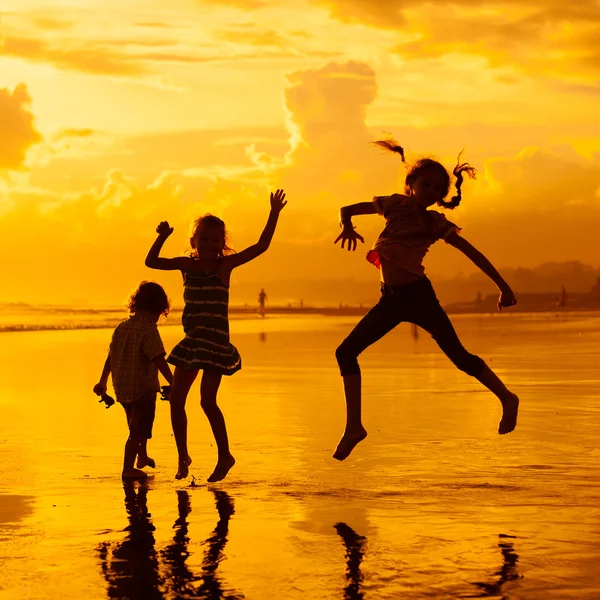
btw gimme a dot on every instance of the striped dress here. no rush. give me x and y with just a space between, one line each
206 345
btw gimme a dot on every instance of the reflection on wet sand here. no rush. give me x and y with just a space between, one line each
134 569
354 554
508 571
131 567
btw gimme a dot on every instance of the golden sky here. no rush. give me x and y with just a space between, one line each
117 115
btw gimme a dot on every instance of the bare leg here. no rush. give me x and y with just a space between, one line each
143 459
182 381
208 401
432 317
131 450
381 319
354 432
510 401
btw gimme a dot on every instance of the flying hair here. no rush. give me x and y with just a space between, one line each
424 164
392 145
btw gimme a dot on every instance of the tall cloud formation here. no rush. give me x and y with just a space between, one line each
17 127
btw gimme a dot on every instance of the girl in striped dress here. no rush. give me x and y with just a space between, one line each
206 346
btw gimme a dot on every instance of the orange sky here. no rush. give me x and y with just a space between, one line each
116 115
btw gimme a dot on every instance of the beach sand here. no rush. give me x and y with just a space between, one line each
433 504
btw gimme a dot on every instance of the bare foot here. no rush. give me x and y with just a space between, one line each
145 461
222 468
348 442
182 471
133 474
510 410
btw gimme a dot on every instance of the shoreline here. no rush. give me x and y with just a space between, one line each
104 321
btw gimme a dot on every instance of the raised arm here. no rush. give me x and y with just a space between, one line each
235 260
348 232
507 297
154 261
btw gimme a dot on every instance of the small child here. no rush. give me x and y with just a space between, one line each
135 356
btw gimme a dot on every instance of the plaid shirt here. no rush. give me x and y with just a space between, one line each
135 344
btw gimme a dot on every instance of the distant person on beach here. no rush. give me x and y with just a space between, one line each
262 297
406 293
135 356
206 346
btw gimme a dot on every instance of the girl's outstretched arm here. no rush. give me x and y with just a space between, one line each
235 260
507 297
154 261
348 233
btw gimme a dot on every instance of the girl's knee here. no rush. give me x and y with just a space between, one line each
471 364
208 403
347 360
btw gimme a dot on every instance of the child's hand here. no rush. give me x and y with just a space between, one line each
164 229
99 389
507 298
349 235
277 200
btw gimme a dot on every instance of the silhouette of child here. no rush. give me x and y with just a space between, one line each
135 356
206 346
406 293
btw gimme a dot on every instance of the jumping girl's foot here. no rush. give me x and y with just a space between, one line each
182 471
348 442
133 474
145 461
510 410
222 468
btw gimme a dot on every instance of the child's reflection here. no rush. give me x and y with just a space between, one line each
131 567
134 569
354 554
508 571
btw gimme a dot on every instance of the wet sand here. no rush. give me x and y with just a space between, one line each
434 504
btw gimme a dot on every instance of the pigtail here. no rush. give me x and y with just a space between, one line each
392 145
458 171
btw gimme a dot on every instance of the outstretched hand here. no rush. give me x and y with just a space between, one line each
278 200
164 229
507 298
350 235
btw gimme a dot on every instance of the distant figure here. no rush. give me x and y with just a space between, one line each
478 299
562 299
406 293
262 296
301 303
206 347
135 356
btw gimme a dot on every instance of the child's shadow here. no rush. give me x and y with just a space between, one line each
133 569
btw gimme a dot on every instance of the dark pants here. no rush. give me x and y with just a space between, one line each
140 415
416 303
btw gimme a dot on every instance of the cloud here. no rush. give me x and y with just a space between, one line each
75 133
84 57
546 37
17 126
260 37
242 4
